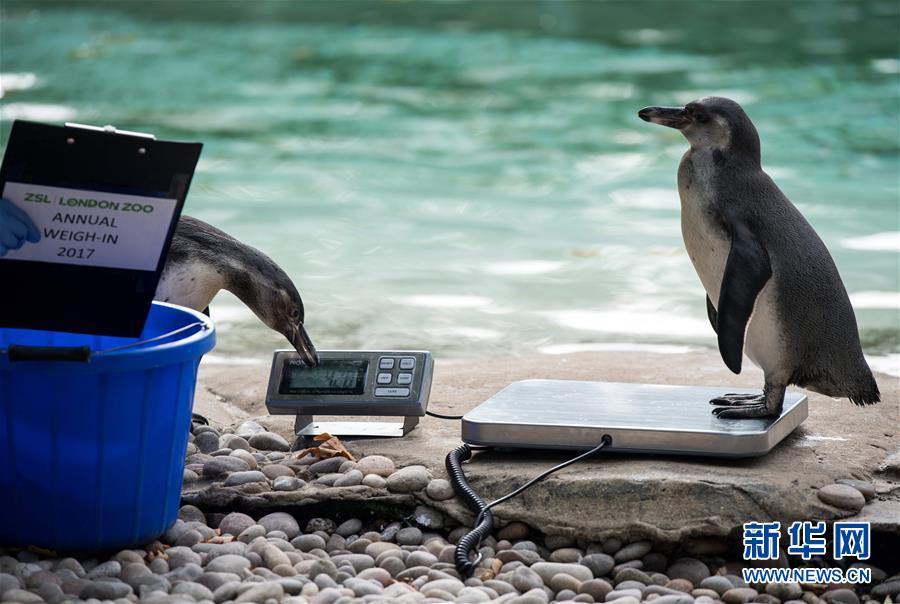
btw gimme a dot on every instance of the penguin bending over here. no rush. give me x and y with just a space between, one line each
203 260
773 290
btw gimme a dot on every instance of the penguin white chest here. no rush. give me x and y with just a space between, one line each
193 285
706 242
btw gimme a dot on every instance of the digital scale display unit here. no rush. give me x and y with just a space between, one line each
390 383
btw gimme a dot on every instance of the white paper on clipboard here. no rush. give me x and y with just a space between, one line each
92 228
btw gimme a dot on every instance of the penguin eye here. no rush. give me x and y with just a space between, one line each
701 117
295 313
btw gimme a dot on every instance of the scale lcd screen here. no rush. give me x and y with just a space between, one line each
332 376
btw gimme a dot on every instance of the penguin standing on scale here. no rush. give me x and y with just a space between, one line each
203 260
773 290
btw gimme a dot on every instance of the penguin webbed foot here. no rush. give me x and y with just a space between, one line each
743 411
734 400
746 406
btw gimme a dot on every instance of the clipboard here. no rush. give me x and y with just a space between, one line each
114 192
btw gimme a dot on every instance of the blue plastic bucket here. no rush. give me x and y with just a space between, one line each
92 453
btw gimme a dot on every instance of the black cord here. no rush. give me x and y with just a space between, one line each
484 521
442 416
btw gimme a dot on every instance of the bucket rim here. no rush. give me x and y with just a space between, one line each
140 349
207 331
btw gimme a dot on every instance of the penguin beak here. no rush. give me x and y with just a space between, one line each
673 117
304 346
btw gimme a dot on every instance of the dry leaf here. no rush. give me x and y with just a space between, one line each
156 550
331 447
491 571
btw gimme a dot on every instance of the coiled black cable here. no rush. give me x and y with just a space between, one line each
485 524
484 519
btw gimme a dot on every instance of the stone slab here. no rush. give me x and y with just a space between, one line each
665 498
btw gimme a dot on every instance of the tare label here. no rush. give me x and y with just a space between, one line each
92 228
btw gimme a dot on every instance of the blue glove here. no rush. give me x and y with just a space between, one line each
15 227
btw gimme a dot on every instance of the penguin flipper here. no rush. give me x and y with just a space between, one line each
711 313
746 272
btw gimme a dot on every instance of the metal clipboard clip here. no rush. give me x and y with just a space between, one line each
109 129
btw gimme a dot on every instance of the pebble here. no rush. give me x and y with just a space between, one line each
106 590
350 479
618 594
374 481
784 591
228 563
683 585
428 517
720 585
235 523
866 488
409 536
688 568
325 525
349 527
633 551
235 442
287 483
262 592
326 466
248 428
675 599
739 595
194 590
246 477
207 442
514 531
633 574
841 596
376 464
611 546
524 579
599 564
280 521
547 569
17 595
274 470
565 554
269 441
180 555
888 588
223 465
440 489
596 588
110 568
562 581
842 496
408 479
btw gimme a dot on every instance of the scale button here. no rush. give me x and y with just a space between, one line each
392 392
384 378
385 363
407 363
404 378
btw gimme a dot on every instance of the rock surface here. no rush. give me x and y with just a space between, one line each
678 497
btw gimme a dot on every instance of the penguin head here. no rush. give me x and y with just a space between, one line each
285 314
711 122
272 296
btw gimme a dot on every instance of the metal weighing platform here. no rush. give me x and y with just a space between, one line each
645 418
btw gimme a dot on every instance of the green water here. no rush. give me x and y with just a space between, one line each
472 177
